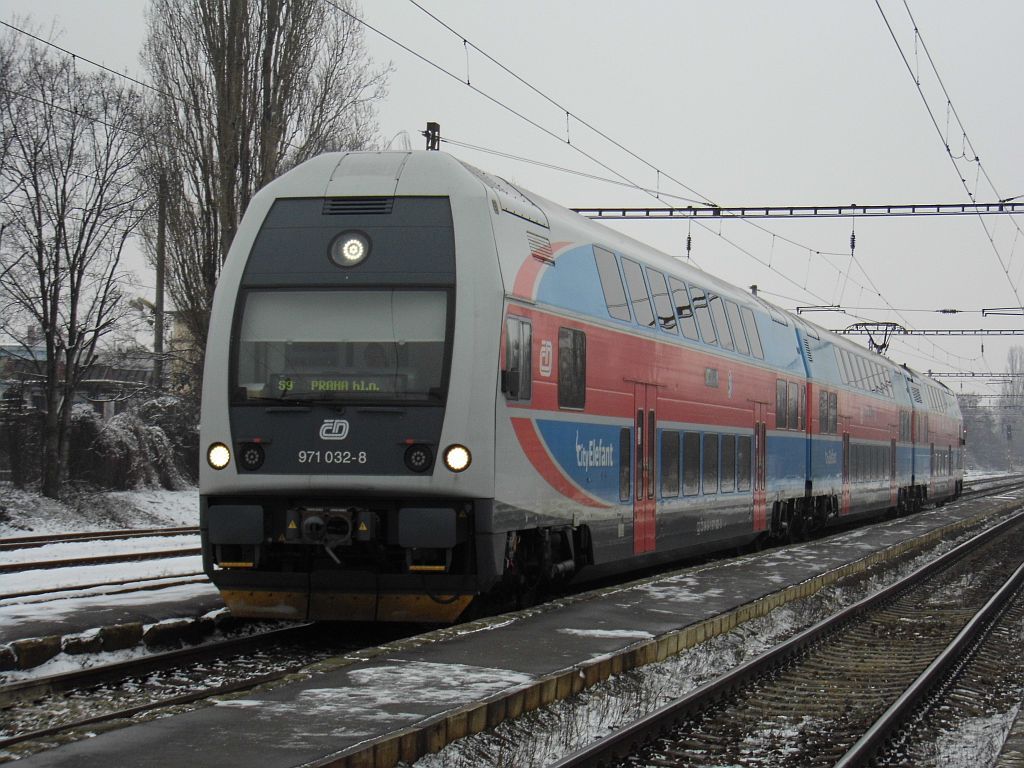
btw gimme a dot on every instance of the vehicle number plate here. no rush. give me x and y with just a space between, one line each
332 457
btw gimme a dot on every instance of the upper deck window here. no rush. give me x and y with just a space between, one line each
611 284
753 336
738 334
700 308
341 345
721 324
638 293
662 303
681 301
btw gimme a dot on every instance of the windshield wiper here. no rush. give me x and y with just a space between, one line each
285 401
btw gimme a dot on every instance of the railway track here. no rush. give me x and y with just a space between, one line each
37 712
26 542
71 550
114 587
836 693
72 562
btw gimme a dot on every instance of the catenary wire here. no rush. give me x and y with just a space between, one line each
938 130
529 85
627 182
562 108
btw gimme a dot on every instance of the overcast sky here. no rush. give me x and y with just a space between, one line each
746 103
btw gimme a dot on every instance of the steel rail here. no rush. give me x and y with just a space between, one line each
123 714
145 584
54 684
629 739
876 736
25 542
71 562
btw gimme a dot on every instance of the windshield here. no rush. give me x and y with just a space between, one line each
342 345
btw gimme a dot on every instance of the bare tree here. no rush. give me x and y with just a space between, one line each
10 83
246 89
72 202
1013 411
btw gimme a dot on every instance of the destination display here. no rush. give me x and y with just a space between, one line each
284 384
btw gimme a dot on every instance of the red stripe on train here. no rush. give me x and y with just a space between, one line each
533 446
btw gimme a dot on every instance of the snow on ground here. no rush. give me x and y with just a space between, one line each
69 550
23 513
16 612
74 576
393 692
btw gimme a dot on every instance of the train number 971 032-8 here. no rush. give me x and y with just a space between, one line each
332 457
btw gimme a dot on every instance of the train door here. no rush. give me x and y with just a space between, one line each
845 505
760 466
645 469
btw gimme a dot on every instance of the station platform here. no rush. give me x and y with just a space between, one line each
72 615
408 698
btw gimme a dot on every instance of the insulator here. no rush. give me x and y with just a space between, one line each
853 241
689 243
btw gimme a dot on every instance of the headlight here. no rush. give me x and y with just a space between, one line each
457 458
349 249
219 456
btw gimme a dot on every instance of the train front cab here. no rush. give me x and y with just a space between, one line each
352 490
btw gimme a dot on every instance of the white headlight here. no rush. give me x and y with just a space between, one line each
353 249
218 455
349 249
457 458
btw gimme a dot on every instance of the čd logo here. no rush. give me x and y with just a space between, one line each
334 429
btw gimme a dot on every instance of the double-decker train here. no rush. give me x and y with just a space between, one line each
424 385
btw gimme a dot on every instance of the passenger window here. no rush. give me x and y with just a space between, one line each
572 368
721 324
611 284
625 463
728 463
710 464
669 463
753 335
691 463
638 293
738 335
743 463
844 371
681 301
662 303
793 407
781 403
518 353
700 308
862 372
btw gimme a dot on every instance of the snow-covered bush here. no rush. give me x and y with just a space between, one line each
20 432
178 417
124 453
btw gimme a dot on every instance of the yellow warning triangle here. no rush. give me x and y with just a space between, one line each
292 525
362 527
